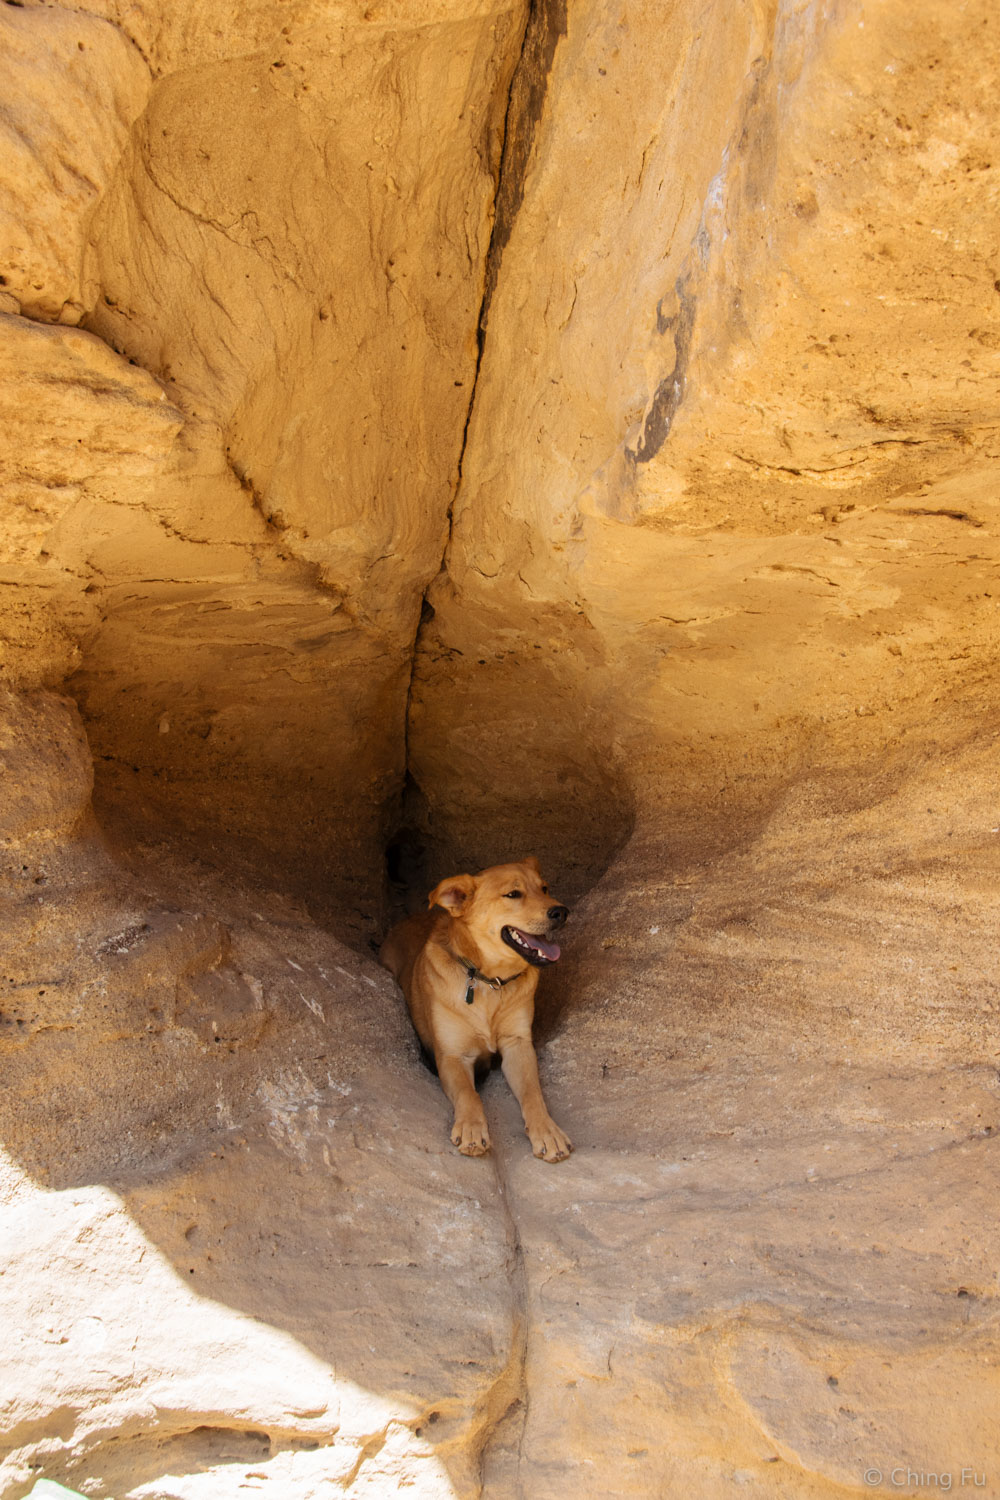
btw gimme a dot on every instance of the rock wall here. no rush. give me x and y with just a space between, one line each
283 222
451 430
727 508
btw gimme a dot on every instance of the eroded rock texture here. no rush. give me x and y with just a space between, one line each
459 428
290 239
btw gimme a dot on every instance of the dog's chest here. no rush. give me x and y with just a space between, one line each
483 1014
480 1025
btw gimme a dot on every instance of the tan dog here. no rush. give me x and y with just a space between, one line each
469 974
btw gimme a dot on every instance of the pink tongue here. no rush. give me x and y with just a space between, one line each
547 950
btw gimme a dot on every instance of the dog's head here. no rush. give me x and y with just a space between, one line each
505 909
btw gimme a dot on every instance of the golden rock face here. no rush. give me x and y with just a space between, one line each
663 376
437 432
743 402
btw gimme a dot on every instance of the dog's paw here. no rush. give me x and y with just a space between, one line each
471 1137
548 1142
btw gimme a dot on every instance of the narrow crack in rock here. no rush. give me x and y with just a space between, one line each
545 23
510 1396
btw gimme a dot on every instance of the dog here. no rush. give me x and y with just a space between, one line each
469 971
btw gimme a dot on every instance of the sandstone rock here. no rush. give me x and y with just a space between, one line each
46 773
293 242
74 85
497 428
730 471
174 1066
776 1067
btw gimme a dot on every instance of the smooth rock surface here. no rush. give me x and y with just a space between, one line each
728 497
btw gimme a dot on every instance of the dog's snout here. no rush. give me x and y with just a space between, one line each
558 915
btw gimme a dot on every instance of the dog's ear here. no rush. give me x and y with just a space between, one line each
452 893
532 863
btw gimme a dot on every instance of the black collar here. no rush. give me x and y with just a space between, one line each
474 974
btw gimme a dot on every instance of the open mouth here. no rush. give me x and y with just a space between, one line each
535 949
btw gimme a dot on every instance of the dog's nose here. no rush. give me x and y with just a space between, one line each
558 915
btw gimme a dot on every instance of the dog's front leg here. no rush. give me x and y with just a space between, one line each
520 1068
469 1132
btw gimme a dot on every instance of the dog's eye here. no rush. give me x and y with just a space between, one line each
514 895
545 890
